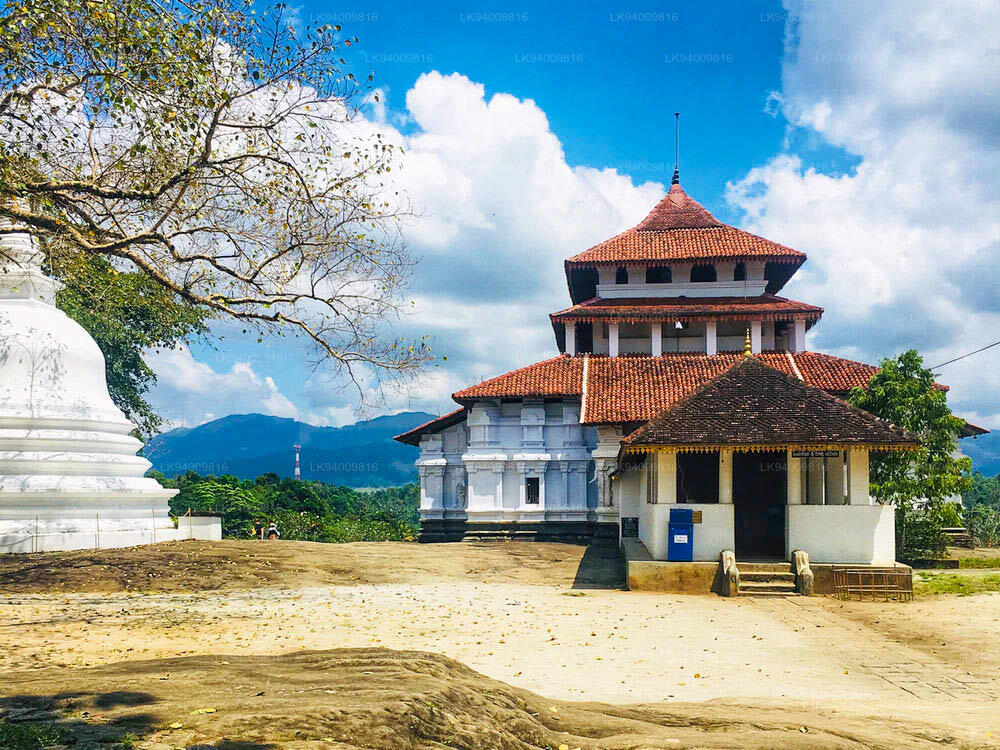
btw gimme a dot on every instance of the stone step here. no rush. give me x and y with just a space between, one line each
762 576
763 567
783 594
754 588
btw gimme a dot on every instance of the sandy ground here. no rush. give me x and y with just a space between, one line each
542 618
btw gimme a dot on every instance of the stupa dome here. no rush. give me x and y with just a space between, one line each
69 474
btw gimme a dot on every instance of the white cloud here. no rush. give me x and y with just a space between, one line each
190 392
498 210
903 252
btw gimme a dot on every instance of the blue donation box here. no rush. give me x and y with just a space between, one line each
680 543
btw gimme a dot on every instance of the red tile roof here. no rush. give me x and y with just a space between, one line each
678 210
412 437
636 388
559 376
680 229
764 307
973 430
751 403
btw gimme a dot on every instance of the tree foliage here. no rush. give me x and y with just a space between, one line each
215 151
303 510
126 314
903 392
982 510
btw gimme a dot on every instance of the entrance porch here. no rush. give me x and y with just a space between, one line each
762 504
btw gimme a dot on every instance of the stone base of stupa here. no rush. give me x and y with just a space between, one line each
52 530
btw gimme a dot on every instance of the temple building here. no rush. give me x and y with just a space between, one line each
683 383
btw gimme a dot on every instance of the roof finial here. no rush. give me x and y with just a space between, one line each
677 171
747 348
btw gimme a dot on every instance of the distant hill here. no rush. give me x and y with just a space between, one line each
984 452
248 445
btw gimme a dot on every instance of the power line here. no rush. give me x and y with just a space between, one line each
988 346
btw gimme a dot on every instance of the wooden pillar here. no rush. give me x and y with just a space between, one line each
711 338
768 336
725 477
666 474
858 489
816 489
835 488
755 335
794 480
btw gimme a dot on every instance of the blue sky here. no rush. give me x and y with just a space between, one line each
864 135
611 102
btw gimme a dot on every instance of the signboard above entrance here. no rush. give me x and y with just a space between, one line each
815 454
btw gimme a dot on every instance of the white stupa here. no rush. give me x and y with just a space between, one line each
69 474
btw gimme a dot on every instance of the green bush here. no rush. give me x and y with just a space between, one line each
983 523
26 736
303 511
918 533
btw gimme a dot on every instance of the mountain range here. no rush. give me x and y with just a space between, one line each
248 445
984 452
358 455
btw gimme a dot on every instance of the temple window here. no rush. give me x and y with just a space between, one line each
705 272
658 275
621 275
698 477
531 491
740 272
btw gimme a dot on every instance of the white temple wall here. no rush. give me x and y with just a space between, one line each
629 486
511 488
863 534
478 470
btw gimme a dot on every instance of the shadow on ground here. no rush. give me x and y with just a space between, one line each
601 567
74 717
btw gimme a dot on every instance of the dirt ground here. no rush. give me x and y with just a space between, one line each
240 565
375 698
978 553
288 643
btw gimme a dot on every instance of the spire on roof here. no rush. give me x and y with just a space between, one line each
677 171
747 348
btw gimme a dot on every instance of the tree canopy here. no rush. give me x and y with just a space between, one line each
303 510
127 314
904 392
215 151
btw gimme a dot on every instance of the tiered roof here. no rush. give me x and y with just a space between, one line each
681 229
634 388
752 404
633 310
